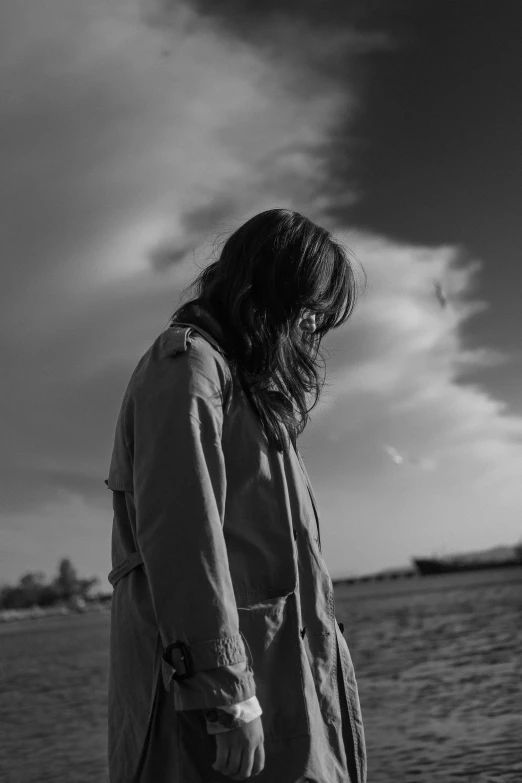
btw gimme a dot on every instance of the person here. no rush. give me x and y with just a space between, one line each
226 658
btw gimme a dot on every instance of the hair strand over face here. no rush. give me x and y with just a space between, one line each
269 270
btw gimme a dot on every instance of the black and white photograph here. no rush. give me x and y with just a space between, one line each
261 400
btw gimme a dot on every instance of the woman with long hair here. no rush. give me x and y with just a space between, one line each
227 660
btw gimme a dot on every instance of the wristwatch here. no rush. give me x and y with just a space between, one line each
223 718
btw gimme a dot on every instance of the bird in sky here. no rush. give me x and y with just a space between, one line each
440 294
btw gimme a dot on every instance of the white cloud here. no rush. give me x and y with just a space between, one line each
437 455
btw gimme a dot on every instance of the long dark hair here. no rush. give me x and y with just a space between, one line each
270 269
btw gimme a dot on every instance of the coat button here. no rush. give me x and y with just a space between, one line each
302 632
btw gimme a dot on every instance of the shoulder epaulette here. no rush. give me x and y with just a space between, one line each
206 335
178 338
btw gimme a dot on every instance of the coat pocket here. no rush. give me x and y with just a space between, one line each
271 629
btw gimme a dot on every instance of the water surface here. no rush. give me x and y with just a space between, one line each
438 661
439 666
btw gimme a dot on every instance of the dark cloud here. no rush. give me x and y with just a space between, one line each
26 490
167 255
57 426
199 221
210 220
91 488
437 152
251 19
323 39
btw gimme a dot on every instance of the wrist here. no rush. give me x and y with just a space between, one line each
232 716
219 720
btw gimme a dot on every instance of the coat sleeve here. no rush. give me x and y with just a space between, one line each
179 482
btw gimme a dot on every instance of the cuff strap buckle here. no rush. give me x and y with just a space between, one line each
180 660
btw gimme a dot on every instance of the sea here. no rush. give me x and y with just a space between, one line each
438 662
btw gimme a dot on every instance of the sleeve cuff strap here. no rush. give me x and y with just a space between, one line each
211 654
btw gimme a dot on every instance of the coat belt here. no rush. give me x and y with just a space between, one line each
123 568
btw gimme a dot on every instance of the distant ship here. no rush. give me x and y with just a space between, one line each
500 557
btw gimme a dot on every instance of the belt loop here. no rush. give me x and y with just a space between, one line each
123 568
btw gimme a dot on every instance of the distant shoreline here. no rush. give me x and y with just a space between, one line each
38 612
404 574
501 557
497 557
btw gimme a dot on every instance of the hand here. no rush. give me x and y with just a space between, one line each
241 751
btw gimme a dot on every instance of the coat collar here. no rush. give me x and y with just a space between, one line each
197 314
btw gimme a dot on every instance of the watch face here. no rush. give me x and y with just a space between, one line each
222 717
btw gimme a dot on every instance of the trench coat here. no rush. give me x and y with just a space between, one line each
216 550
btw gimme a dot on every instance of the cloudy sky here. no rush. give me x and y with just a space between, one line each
134 135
